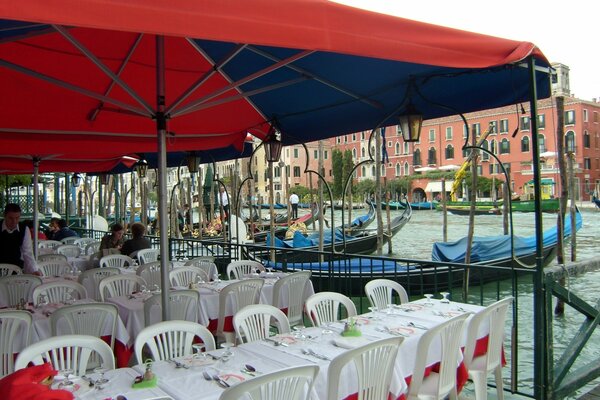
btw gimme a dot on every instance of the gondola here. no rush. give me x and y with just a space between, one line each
465 210
304 249
491 257
361 222
281 230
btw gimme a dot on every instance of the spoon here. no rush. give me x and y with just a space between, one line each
206 375
250 368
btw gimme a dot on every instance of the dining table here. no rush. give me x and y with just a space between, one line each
203 375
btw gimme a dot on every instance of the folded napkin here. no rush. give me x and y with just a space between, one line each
350 342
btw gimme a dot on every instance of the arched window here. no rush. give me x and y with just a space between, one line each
406 148
354 153
542 143
525 144
449 152
406 169
398 172
485 145
431 156
504 146
570 141
586 139
364 171
397 148
363 152
493 147
373 171
417 157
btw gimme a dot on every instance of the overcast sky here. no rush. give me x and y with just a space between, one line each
566 31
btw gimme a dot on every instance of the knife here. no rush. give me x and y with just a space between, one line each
220 381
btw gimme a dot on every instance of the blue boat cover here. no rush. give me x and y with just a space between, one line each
497 247
352 265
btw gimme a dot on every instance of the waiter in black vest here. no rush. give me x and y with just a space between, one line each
16 246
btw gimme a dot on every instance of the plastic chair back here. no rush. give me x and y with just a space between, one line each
293 383
51 257
183 306
18 287
480 365
438 385
373 364
66 351
84 242
151 272
69 240
171 339
13 324
54 268
324 307
241 294
183 276
59 292
254 322
91 278
116 260
10 269
69 250
85 319
49 244
240 269
294 285
119 285
145 256
380 292
92 248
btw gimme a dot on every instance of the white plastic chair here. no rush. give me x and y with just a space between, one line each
479 366
18 287
84 242
209 268
69 250
253 322
183 276
69 240
240 294
51 257
66 351
293 383
13 324
171 339
116 260
324 307
85 319
183 305
240 269
145 256
54 268
91 280
442 384
295 285
59 292
380 292
119 285
373 364
195 260
10 269
49 244
151 272
92 248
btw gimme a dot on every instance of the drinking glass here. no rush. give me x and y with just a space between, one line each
68 300
155 289
228 353
42 301
445 298
298 332
143 289
67 382
101 381
327 328
374 311
199 354
428 303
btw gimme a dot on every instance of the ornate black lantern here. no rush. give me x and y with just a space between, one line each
193 162
141 167
75 180
410 123
273 144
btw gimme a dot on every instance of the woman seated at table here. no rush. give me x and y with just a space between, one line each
112 240
137 241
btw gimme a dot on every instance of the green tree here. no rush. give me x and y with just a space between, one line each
347 166
337 163
365 188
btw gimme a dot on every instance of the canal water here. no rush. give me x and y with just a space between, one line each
415 241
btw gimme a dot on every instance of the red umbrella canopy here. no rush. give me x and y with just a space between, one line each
80 77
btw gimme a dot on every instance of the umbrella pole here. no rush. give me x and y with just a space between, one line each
36 205
161 129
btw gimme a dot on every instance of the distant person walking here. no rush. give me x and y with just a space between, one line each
224 200
294 200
